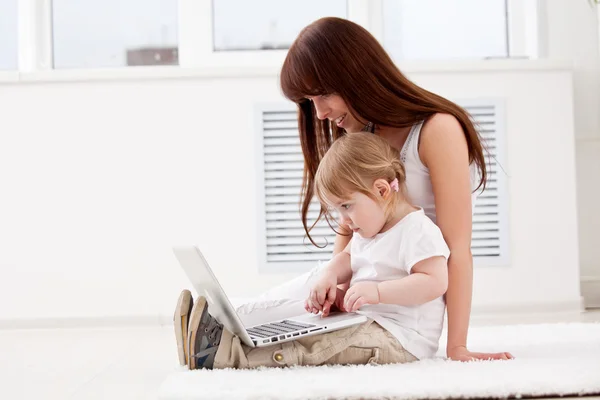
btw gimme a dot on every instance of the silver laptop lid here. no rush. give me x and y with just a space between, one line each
206 284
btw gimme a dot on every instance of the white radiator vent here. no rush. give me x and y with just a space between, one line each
489 242
283 244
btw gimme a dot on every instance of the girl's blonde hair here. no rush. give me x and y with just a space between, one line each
352 164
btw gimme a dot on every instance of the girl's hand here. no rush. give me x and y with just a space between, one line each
460 353
360 294
323 293
338 304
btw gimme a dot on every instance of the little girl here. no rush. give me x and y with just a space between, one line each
396 264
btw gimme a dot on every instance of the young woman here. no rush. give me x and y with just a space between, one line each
343 81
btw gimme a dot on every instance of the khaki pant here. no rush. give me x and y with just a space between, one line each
367 343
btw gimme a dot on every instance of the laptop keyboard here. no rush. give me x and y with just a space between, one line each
277 328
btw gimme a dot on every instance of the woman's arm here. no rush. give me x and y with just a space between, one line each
443 149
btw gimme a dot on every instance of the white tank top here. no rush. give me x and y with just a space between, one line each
418 180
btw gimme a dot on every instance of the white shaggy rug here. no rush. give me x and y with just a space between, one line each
550 360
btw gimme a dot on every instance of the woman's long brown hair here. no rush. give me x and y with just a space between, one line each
337 56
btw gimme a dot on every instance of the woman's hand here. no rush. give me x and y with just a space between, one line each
461 353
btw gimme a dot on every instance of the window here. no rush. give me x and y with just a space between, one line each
200 33
266 24
8 34
114 33
445 29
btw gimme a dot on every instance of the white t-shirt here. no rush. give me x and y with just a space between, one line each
391 255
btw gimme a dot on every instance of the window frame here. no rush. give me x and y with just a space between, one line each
14 56
522 31
34 21
195 35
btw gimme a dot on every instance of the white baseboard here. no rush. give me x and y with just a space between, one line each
121 321
590 289
137 321
570 306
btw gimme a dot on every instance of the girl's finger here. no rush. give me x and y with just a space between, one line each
351 300
358 304
313 298
326 308
347 296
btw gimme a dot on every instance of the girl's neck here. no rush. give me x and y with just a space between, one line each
402 210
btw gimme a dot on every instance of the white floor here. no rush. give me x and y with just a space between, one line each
124 363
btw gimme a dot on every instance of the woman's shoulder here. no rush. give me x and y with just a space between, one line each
441 133
440 124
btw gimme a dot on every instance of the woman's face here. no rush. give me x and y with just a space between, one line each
334 108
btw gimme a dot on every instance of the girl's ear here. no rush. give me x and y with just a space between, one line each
382 187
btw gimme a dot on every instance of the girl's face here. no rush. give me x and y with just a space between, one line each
334 108
360 213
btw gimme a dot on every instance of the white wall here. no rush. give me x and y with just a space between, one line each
572 33
100 178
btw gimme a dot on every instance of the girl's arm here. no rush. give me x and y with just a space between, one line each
339 266
443 149
325 292
427 281
341 242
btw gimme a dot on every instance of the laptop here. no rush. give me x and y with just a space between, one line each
296 326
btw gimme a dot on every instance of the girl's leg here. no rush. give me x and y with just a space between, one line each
183 309
283 301
361 344
296 289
